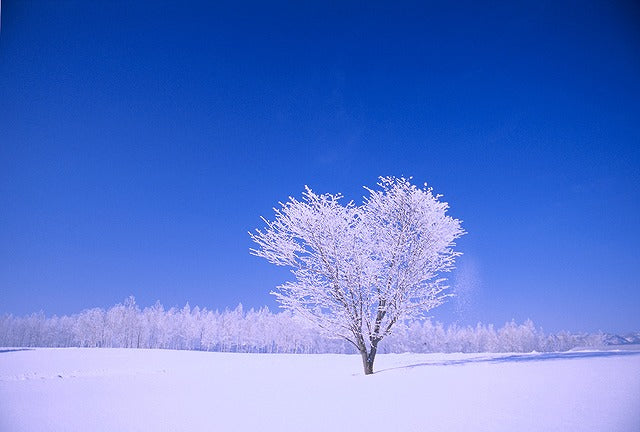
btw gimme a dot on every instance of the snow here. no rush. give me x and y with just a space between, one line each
81 389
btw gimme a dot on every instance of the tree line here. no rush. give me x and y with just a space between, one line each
126 325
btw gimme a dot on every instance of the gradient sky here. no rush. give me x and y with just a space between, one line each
141 141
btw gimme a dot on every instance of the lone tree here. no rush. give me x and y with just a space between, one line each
361 269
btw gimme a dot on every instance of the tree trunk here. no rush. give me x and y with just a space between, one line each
367 359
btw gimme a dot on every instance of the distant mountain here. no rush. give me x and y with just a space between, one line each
629 339
633 338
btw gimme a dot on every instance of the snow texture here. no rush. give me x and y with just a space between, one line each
160 390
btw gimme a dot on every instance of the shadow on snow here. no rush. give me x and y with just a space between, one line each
519 358
2 351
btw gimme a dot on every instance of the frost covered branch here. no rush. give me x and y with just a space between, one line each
361 270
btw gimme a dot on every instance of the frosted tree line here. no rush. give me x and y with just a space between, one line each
126 325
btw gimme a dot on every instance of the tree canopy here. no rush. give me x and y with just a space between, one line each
360 269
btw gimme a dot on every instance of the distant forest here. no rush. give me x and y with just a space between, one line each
125 325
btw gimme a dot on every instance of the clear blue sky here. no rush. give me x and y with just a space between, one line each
140 141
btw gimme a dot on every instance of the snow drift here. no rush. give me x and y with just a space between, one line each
158 390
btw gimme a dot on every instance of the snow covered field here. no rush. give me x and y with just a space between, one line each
154 390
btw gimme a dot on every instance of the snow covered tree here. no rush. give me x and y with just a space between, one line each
359 270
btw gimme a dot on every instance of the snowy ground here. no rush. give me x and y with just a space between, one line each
155 390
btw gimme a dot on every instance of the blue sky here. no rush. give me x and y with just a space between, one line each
141 141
